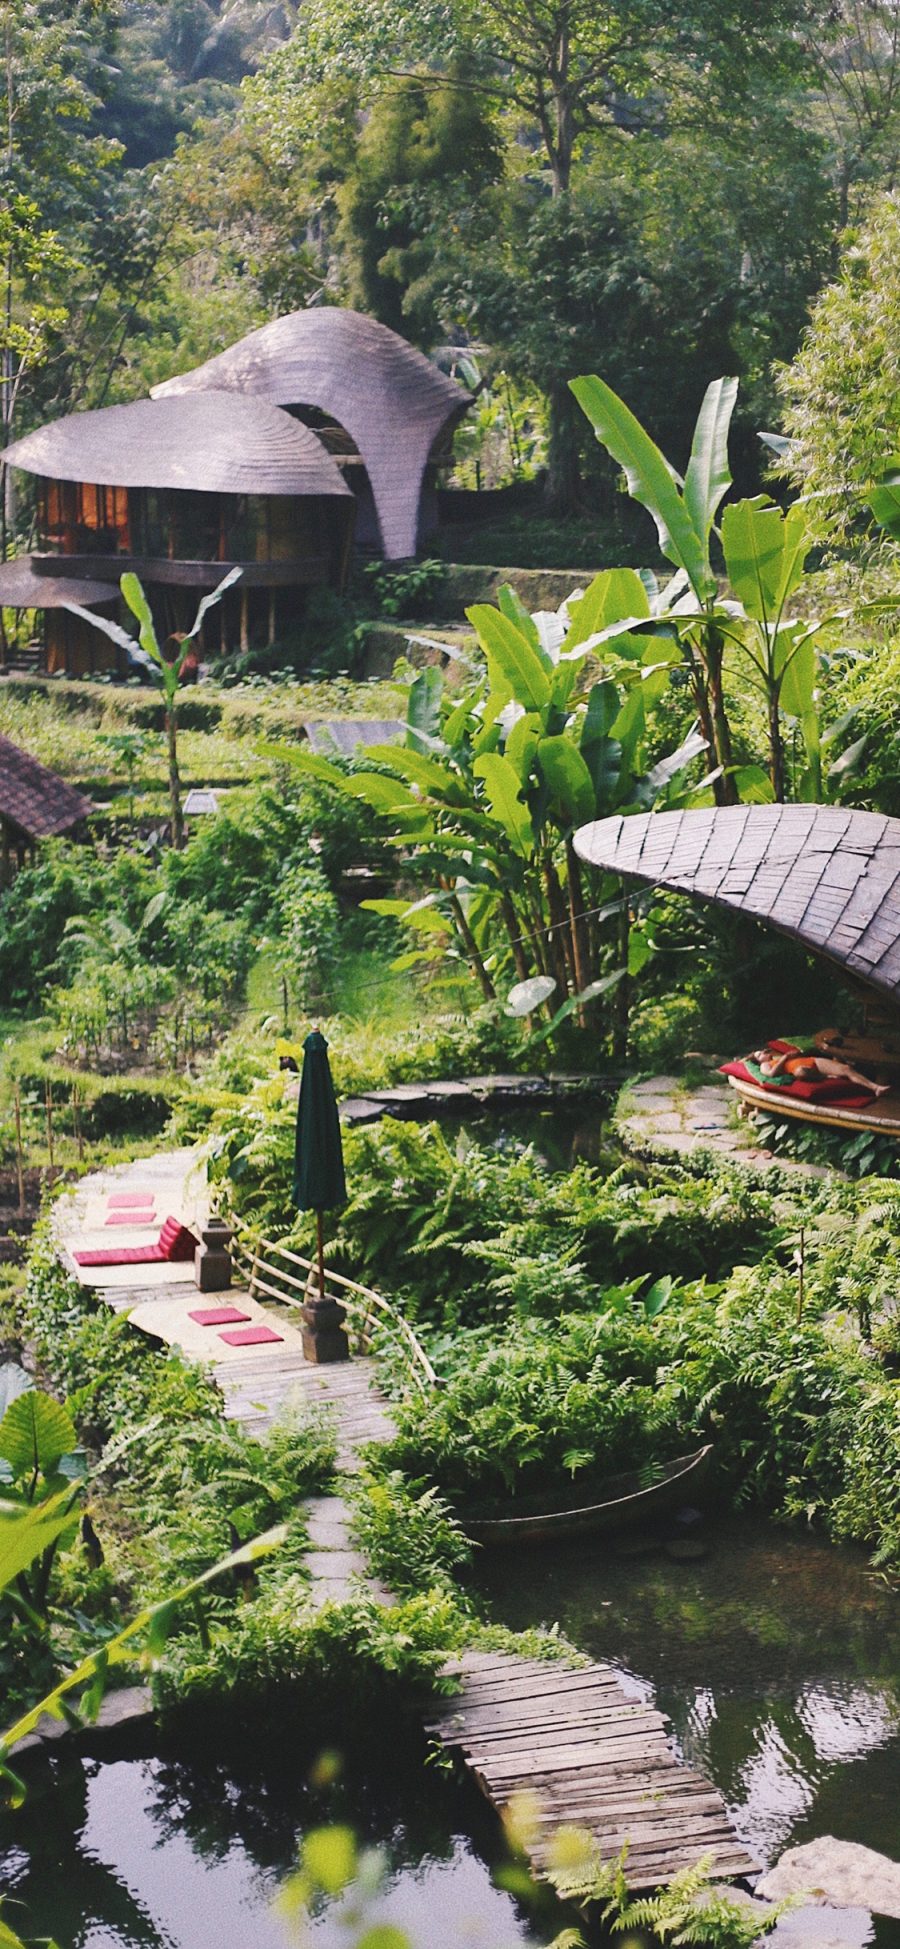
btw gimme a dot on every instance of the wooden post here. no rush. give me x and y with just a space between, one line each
320 1237
48 1098
245 621
19 1158
76 1122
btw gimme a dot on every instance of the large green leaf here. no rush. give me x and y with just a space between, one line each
765 551
798 679
650 479
522 744
753 544
140 607
884 499
512 606
428 773
208 603
502 787
523 668
614 594
526 996
423 710
604 704
25 1533
34 1433
708 474
568 777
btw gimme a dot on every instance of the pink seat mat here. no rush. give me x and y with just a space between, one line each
250 1336
120 1200
136 1215
218 1315
175 1242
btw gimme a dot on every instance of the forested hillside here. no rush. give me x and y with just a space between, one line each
542 187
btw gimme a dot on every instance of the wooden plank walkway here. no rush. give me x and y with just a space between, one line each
593 1758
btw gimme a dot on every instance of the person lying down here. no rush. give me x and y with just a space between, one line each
806 1067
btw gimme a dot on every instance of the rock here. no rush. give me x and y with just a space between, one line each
819 1926
841 1872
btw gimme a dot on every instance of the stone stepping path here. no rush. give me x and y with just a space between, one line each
662 1113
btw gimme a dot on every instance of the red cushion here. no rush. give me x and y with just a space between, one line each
176 1241
250 1336
121 1255
141 1215
118 1200
218 1315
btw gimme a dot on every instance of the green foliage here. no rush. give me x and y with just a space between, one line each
410 1536
841 396
178 1486
537 1406
687 1910
329 1664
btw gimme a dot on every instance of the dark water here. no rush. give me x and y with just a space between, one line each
776 1657
562 1136
161 1853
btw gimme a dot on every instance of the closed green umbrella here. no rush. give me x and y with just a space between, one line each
319 1182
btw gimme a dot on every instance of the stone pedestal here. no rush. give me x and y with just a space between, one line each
212 1259
323 1332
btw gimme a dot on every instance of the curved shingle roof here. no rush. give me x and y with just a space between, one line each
21 587
392 401
825 876
210 442
34 798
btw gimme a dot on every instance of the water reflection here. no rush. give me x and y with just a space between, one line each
163 1853
776 1657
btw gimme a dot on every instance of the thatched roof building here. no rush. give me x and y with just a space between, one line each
180 491
346 373
825 876
35 803
206 443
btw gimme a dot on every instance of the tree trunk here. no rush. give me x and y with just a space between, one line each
174 780
580 941
776 750
721 729
560 946
565 422
623 991
515 931
471 947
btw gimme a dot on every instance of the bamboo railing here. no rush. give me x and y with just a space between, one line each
282 1274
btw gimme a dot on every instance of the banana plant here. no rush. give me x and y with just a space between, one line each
488 787
165 667
684 512
765 553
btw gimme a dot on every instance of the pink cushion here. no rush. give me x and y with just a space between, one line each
141 1215
218 1315
176 1241
250 1336
119 1200
122 1255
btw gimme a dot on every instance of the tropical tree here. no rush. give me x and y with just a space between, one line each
753 617
165 665
489 786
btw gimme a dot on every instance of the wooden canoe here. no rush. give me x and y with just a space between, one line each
622 1501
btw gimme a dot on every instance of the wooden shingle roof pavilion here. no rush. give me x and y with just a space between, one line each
391 400
35 800
825 876
207 442
23 586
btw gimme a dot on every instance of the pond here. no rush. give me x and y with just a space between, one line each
153 1851
562 1135
776 1657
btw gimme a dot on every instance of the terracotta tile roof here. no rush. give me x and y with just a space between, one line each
34 798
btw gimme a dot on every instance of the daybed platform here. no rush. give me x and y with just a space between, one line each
882 1114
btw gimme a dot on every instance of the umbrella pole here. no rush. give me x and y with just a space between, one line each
321 1255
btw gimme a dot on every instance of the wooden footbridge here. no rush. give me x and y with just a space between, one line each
594 1759
569 1735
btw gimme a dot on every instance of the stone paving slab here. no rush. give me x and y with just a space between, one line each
662 1113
